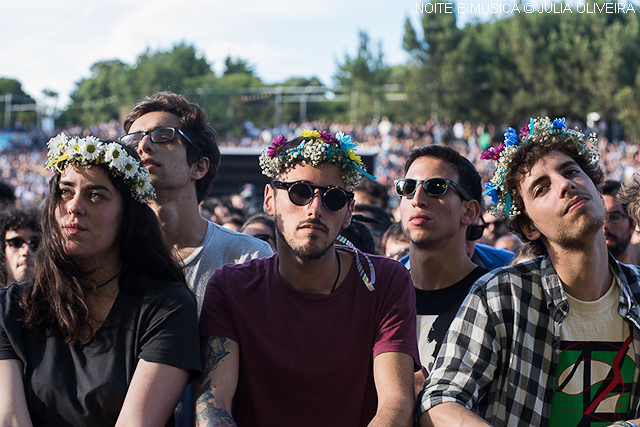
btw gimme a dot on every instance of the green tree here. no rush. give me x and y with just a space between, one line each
440 36
238 66
365 74
99 97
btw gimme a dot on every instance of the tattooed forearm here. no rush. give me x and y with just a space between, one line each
214 351
208 414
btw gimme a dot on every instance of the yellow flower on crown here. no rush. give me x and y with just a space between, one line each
354 157
310 134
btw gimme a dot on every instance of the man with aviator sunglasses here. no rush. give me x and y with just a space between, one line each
320 333
440 203
20 234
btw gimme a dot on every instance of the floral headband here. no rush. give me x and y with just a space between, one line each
538 130
318 147
64 150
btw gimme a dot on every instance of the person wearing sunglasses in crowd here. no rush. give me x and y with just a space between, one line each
20 231
618 225
484 255
105 333
440 199
261 227
180 150
319 334
553 341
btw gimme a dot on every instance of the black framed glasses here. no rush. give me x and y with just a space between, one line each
160 135
18 242
615 217
301 194
475 231
434 187
263 237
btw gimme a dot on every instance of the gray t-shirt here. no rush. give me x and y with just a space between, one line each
220 246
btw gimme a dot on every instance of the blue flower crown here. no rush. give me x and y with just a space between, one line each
538 130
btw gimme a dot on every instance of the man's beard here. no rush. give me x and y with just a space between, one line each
303 252
618 246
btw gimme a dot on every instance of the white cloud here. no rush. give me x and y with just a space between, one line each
52 45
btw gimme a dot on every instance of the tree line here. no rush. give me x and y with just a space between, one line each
501 71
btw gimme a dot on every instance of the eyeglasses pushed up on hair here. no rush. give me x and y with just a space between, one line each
301 194
434 187
18 242
160 135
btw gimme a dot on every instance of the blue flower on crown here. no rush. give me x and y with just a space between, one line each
558 124
491 190
345 142
511 137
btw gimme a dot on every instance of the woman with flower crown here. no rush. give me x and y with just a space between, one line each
106 332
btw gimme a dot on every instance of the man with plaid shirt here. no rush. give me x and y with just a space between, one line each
553 341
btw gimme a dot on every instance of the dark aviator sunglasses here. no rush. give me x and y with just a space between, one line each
434 187
301 194
18 242
160 135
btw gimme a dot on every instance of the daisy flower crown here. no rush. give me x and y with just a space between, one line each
538 131
316 148
64 150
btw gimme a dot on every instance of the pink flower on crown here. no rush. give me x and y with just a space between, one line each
278 142
524 132
492 153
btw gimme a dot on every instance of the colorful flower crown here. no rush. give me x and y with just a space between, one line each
538 130
64 150
318 147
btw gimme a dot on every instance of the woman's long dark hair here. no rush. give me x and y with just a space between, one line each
57 295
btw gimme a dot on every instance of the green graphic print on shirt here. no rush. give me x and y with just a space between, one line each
593 385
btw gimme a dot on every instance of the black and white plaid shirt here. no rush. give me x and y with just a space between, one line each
501 352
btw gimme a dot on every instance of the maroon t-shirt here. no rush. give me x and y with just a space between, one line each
307 359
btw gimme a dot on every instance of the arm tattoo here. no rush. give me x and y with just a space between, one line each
215 351
210 415
208 412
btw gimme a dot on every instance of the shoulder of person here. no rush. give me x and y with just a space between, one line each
240 241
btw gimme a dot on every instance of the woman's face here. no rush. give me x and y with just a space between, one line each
89 215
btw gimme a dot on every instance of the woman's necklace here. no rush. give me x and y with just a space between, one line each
338 277
102 284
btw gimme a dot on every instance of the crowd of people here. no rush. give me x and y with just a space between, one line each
421 298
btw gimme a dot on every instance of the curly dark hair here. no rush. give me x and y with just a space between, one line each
57 295
193 122
523 161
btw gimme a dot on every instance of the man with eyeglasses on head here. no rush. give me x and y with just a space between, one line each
20 234
440 203
320 334
180 149
618 225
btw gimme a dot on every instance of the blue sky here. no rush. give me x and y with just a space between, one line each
52 44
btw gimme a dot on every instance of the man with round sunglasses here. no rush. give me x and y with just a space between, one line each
180 149
319 334
440 203
20 234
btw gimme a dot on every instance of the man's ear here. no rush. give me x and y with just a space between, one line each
199 168
269 194
347 218
530 231
470 213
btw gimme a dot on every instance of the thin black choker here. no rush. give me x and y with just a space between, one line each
338 277
116 275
